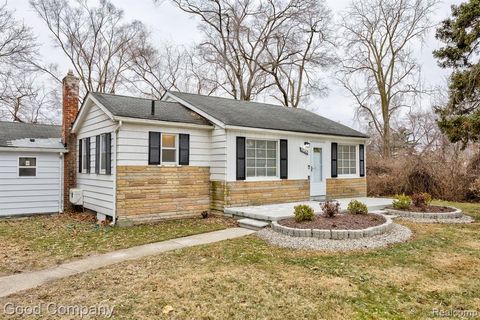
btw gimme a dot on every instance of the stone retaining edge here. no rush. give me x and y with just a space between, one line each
334 234
425 215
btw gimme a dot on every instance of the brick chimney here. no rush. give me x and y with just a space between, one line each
70 101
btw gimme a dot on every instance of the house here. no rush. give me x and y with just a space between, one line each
140 160
31 166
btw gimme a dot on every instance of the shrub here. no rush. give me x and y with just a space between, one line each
330 208
205 214
303 212
421 200
357 207
402 202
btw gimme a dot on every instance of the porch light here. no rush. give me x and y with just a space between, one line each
306 144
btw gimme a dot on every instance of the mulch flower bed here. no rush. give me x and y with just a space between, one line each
427 209
343 221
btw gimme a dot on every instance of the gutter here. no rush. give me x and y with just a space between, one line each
35 149
163 123
114 218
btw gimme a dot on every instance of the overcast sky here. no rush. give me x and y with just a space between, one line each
169 23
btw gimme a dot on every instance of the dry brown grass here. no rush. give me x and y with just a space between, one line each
248 279
39 242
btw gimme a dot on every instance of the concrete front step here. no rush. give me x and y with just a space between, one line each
252 224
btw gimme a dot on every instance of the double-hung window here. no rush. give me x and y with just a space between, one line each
84 155
262 156
347 159
27 167
103 153
169 149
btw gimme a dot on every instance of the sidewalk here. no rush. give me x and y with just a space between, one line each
18 282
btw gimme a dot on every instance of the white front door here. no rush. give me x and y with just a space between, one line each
317 174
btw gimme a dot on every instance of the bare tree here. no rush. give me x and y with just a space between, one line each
378 67
96 40
261 45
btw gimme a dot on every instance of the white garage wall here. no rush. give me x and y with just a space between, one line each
27 195
98 189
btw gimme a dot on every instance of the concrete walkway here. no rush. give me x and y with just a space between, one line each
274 212
18 282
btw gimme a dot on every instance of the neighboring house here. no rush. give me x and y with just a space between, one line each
141 160
31 164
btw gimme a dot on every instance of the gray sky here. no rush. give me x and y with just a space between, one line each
169 23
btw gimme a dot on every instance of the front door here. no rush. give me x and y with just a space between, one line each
317 174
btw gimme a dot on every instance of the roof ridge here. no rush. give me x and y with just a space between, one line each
230 99
30 124
131 97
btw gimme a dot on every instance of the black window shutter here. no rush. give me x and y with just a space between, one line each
97 154
283 159
154 147
361 157
108 148
334 160
80 154
240 158
184 149
87 141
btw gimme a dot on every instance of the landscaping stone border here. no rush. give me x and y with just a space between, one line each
426 215
334 234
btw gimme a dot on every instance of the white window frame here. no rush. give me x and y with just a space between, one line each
277 162
84 155
168 163
103 170
347 175
19 167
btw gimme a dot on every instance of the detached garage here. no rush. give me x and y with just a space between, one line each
31 169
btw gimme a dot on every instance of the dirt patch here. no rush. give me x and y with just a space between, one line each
427 209
342 221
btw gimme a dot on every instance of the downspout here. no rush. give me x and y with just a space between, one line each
114 218
62 191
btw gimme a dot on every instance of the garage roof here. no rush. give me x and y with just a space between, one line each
28 135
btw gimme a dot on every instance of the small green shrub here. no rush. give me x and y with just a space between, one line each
330 208
304 212
357 207
402 202
421 200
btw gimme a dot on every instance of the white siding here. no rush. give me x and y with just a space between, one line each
28 195
98 189
133 144
298 162
218 160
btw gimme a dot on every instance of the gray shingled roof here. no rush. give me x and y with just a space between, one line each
266 116
140 108
12 134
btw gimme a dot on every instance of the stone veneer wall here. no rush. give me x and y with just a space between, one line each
149 193
346 188
248 193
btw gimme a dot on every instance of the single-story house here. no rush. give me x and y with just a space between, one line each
31 169
134 160
142 160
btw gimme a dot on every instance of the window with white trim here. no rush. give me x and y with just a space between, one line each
103 153
84 155
169 148
347 159
27 167
262 156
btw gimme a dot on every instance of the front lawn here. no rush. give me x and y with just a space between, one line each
38 242
247 278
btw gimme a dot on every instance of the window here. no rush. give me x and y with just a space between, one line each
347 159
27 167
169 148
84 155
261 158
103 153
